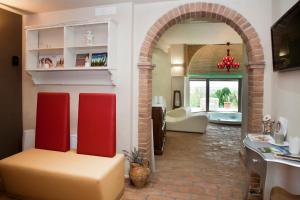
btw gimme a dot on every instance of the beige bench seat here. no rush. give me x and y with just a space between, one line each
37 174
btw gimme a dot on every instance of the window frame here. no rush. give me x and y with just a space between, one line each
208 90
198 79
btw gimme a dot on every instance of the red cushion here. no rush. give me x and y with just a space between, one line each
53 121
97 124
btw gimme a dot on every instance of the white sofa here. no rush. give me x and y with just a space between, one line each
182 119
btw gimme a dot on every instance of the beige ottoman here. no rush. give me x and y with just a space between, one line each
38 174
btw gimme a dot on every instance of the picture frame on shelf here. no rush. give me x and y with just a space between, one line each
99 59
59 61
50 61
82 59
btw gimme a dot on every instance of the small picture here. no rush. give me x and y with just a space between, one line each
81 59
46 62
59 61
99 59
52 61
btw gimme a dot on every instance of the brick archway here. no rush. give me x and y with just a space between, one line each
200 10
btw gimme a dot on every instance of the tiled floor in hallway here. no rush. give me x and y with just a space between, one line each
197 166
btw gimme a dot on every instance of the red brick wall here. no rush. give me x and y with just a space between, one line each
254 191
200 10
145 107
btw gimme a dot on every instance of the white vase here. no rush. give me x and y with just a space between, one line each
89 38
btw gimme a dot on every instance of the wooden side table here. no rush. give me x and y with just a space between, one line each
159 129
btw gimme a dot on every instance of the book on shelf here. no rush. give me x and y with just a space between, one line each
99 59
82 59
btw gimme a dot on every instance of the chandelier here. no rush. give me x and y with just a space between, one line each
227 61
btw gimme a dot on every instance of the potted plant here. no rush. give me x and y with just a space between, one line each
268 124
139 168
227 103
224 96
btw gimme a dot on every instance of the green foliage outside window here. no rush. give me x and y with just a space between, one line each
225 95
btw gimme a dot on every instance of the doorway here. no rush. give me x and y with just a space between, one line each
200 10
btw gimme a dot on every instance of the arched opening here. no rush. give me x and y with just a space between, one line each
210 11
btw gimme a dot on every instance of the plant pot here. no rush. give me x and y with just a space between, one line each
227 105
139 174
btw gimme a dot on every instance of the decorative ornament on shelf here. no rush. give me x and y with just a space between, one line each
227 61
279 137
139 168
89 38
268 125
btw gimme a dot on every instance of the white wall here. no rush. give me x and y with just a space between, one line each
285 85
177 52
163 84
124 61
280 7
161 76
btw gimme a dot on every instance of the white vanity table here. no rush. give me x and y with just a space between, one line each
273 171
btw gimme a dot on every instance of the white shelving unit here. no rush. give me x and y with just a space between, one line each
64 42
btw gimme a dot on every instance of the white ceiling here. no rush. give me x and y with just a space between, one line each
38 6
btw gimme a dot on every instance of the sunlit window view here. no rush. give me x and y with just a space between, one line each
198 95
223 95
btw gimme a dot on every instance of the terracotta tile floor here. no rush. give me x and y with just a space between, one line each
196 166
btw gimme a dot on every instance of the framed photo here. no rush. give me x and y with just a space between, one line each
51 61
82 59
59 61
99 59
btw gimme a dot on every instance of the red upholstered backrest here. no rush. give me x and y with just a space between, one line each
97 124
53 121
